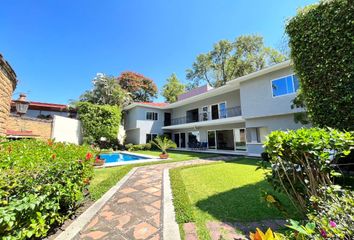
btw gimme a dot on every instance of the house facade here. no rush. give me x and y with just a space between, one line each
234 118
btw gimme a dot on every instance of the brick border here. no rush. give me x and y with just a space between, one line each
75 227
170 227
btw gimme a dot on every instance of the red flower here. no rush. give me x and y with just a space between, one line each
54 156
88 156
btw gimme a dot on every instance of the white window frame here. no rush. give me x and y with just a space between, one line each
153 113
287 94
237 129
218 104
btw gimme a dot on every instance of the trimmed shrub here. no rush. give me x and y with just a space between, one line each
41 185
181 201
303 160
138 147
322 49
99 121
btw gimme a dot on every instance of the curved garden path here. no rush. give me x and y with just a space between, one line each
135 211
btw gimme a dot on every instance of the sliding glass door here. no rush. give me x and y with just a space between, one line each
211 139
240 139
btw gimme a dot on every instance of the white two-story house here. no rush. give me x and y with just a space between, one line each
234 118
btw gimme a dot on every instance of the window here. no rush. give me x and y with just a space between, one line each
240 139
150 137
222 109
151 116
256 135
285 85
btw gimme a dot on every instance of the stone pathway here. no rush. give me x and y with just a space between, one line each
135 210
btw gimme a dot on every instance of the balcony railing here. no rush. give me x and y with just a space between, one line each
207 116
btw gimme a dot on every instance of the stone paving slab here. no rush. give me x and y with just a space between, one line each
135 211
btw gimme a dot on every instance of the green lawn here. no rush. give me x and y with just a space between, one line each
105 178
230 191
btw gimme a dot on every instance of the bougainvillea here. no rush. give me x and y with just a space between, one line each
141 88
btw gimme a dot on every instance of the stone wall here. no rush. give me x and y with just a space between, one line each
7 86
41 128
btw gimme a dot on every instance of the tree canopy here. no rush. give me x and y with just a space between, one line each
141 88
172 89
228 60
106 91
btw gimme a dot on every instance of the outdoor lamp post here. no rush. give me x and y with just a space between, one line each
21 104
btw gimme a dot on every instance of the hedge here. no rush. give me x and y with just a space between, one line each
41 185
321 41
181 201
99 121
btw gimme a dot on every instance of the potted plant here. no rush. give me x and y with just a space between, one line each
163 143
99 161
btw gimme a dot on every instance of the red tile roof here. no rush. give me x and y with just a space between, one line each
45 106
153 104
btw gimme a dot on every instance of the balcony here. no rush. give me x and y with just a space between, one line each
194 116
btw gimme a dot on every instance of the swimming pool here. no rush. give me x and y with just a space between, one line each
119 158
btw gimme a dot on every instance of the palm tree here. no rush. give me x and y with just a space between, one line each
163 143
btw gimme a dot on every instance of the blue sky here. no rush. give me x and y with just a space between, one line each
57 47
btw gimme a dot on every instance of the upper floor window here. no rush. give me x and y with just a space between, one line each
285 85
151 116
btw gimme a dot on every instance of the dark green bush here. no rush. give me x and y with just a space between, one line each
41 185
99 121
322 49
303 160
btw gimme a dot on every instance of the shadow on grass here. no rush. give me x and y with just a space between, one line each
245 204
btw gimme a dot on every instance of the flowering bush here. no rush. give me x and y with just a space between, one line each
332 217
41 184
303 160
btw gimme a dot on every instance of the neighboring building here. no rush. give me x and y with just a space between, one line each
43 110
234 118
8 83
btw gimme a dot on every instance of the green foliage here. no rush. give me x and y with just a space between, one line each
228 60
163 143
106 91
141 88
139 147
321 42
99 121
303 160
41 185
181 201
333 217
172 89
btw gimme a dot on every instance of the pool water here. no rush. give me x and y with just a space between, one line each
120 157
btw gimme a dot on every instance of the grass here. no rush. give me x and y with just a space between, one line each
229 191
105 178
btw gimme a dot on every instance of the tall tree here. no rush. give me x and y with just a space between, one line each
141 88
172 89
228 60
106 91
